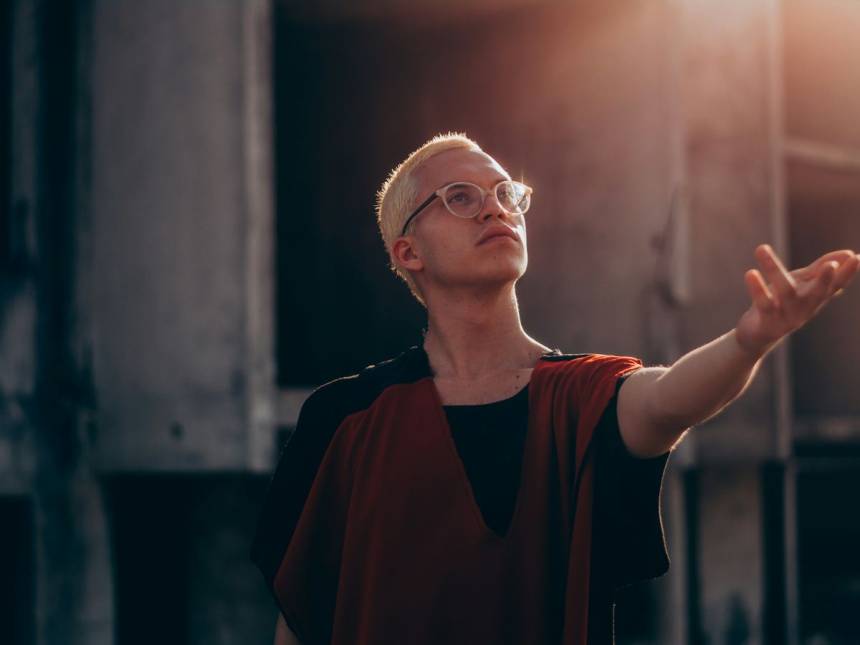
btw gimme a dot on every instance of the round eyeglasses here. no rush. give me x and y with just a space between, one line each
465 199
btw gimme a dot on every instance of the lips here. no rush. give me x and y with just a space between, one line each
495 231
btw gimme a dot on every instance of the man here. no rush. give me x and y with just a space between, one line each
482 487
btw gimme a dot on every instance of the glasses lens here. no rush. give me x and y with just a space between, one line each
513 196
464 200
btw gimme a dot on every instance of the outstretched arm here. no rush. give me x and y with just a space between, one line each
657 405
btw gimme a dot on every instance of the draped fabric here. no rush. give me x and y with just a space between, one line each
369 532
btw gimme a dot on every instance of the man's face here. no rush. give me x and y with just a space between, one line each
446 250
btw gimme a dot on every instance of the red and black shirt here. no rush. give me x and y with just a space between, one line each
394 519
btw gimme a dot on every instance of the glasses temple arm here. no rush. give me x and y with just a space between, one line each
421 207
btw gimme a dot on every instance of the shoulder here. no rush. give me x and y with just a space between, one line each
590 368
557 356
302 453
585 385
344 395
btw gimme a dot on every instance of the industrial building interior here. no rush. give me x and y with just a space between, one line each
188 248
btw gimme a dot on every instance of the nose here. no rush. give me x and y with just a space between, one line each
491 207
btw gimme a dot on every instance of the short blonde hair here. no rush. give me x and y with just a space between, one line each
399 194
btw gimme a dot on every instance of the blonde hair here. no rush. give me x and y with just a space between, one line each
399 194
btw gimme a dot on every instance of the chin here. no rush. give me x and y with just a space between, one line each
511 274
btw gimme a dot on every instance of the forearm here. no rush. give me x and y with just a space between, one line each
702 382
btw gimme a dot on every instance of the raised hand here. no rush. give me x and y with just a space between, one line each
783 301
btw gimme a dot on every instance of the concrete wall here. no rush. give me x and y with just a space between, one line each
18 289
822 100
731 96
179 273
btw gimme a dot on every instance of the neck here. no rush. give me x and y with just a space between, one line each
470 338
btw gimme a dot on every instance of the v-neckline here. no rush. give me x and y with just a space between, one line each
451 449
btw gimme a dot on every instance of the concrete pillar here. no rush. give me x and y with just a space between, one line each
74 600
182 214
731 93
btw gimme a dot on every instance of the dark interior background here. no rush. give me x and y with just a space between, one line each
352 99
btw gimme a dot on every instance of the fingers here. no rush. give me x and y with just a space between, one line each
775 287
843 273
811 270
784 286
760 294
846 272
824 282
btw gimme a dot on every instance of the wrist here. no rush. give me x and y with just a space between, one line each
753 351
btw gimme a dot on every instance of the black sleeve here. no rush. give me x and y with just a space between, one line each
301 456
291 482
628 528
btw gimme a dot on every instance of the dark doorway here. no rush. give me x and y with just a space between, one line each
17 571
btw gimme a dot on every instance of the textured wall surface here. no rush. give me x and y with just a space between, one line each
169 223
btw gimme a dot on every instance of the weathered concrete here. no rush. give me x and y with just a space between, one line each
17 293
43 396
822 97
728 93
173 334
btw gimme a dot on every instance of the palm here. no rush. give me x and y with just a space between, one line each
789 299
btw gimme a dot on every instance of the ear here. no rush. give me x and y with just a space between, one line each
404 254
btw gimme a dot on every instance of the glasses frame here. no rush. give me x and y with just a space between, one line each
439 192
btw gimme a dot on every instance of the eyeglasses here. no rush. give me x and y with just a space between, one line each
465 199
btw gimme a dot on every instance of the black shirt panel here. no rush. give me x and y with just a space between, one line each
302 453
628 543
490 439
627 517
